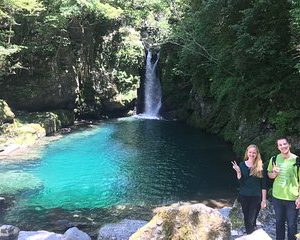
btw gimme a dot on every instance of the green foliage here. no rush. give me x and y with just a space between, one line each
9 9
244 57
31 6
283 119
71 8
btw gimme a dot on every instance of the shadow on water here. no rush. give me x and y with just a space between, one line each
191 163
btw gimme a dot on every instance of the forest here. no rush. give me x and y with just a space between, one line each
230 67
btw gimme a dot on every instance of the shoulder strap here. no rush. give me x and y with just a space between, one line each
274 160
297 164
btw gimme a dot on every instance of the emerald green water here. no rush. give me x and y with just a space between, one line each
122 162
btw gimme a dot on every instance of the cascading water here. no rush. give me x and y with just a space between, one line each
152 88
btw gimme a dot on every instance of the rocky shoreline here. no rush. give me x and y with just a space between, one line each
182 220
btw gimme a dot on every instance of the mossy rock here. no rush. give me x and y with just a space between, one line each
6 114
21 134
48 120
187 221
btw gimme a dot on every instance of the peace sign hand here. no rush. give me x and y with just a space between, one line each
276 169
235 166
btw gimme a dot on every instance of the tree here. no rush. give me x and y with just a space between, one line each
9 9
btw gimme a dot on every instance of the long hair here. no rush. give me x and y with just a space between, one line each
257 167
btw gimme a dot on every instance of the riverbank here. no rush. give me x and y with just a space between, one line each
178 219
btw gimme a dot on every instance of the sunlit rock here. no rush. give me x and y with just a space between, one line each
188 221
258 234
39 235
12 182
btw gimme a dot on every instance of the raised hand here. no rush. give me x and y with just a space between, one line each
276 169
235 166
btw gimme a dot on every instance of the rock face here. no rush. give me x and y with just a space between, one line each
120 231
187 221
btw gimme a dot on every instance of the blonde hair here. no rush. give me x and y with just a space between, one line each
257 167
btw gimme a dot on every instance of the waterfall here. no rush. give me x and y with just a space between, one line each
152 88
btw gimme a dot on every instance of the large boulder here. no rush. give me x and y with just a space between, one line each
185 221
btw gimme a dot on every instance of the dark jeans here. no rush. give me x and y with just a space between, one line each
285 211
250 208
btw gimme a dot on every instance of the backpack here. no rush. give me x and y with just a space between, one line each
270 181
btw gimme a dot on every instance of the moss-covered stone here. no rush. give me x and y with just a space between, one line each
6 114
50 121
21 134
187 221
27 128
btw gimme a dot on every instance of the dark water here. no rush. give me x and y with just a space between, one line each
119 169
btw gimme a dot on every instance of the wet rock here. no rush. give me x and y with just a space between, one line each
120 231
9 232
